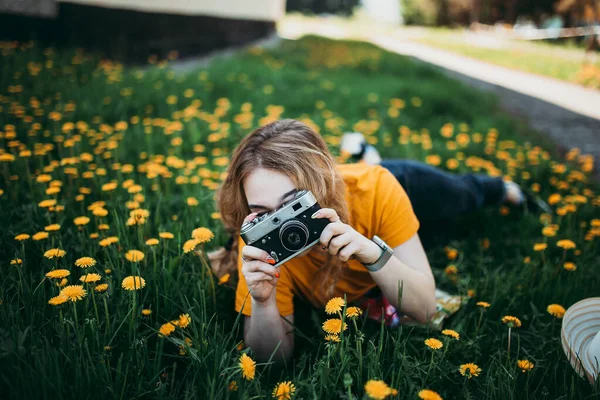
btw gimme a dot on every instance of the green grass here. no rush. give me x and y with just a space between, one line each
124 118
560 62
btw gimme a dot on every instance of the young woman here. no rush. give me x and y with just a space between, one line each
365 205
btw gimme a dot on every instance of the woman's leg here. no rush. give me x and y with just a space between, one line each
438 195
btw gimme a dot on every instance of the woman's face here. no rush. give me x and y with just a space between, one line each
266 190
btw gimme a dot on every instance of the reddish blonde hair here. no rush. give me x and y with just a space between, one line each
294 149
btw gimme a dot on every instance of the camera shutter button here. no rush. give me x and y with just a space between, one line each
274 255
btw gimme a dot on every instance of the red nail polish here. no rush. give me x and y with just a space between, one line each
271 261
277 275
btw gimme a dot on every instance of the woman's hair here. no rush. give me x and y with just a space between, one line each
294 149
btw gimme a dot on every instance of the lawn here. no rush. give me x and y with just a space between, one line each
108 177
562 62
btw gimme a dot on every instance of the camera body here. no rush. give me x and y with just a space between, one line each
287 231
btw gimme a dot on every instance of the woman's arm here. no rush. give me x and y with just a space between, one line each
265 330
410 267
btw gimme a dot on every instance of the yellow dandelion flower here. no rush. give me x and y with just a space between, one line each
469 370
451 333
40 236
133 283
192 201
483 304
101 288
79 221
152 242
569 266
134 255
525 365
108 271
334 326
540 246
335 305
353 312
511 321
202 235
146 312
166 235
190 245
556 310
85 262
233 386
332 338
16 261
52 253
284 390
247 366
434 344
451 270
73 292
184 320
22 236
58 300
52 228
58 273
93 277
166 329
377 390
427 394
566 244
63 282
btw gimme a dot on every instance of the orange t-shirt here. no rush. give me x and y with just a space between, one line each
378 206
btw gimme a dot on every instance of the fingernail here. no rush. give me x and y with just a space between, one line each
277 275
315 215
271 261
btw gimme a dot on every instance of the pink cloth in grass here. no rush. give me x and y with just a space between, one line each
379 308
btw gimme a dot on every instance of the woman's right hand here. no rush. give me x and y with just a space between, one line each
261 276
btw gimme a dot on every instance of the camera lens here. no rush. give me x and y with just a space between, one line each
293 235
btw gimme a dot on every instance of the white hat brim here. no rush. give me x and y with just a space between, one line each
580 324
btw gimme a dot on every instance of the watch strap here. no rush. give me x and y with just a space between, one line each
386 254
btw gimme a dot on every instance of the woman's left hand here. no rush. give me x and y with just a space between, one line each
344 241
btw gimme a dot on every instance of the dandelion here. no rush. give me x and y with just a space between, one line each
247 366
58 273
22 236
133 283
85 262
88 278
73 292
451 333
434 344
566 244
483 304
569 266
146 312
332 338
79 221
190 245
512 322
52 228
427 394
166 329
540 246
202 235
63 282
233 386
556 310
284 390
334 305
40 236
101 288
525 365
451 270
184 320
52 253
377 390
58 300
353 312
166 235
192 201
469 370
16 261
134 255
152 242
334 326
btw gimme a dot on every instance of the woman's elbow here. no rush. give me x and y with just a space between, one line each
427 311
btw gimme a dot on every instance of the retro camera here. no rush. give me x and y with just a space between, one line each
287 231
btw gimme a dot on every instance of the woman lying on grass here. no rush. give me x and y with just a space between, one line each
359 200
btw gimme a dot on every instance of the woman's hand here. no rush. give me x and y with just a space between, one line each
344 241
261 276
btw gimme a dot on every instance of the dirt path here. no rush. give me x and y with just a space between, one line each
568 114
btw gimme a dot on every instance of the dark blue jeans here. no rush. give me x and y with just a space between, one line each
439 195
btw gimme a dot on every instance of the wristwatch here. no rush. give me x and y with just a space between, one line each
386 253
